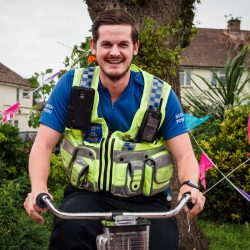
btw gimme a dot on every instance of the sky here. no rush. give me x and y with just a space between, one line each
38 34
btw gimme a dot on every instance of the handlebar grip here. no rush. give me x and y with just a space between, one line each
39 200
189 204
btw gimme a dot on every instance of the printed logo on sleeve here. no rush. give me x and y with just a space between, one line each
48 109
179 118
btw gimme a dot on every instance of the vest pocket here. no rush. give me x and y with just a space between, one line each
127 178
78 172
158 172
134 178
83 171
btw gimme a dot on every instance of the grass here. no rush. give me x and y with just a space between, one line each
226 236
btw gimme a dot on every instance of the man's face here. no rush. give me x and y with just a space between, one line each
114 50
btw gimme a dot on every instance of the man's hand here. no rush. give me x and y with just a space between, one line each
197 198
32 209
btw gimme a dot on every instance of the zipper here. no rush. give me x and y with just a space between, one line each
100 166
106 161
111 163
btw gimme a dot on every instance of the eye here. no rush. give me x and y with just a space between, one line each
106 45
124 45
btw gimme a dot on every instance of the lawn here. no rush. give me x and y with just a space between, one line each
226 236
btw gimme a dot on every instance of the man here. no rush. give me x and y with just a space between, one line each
117 130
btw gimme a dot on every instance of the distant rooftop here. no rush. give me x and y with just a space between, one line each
9 76
211 47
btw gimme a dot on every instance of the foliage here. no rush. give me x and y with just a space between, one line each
155 54
81 56
13 152
42 91
227 146
229 93
17 230
57 178
226 236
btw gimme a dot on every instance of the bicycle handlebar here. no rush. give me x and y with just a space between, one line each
43 200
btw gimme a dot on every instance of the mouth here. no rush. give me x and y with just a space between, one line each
114 61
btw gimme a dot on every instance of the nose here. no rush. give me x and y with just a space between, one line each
114 50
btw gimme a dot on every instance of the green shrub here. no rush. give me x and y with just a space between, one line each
17 230
227 147
13 152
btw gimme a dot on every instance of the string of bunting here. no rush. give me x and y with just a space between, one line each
206 163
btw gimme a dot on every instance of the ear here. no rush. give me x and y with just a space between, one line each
136 48
92 46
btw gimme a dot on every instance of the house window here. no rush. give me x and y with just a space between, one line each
17 95
16 123
185 78
221 75
26 94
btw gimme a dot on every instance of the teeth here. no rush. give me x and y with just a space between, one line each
114 61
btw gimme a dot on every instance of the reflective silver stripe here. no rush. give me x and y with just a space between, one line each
155 93
82 151
87 77
127 156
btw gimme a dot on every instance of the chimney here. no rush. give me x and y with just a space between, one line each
233 25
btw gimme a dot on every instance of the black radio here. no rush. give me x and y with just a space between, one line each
80 107
150 124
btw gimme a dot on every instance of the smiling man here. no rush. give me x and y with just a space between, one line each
120 160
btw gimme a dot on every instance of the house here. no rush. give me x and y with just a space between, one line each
208 50
14 88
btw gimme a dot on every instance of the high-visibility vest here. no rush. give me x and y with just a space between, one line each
118 163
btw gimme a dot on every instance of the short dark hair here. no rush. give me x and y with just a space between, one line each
115 17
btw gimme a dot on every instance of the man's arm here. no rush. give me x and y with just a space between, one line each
188 169
39 167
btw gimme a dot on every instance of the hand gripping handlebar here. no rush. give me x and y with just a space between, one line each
43 200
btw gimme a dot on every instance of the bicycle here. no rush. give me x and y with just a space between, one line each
122 230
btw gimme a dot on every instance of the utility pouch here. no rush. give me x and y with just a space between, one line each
127 178
79 172
134 177
158 172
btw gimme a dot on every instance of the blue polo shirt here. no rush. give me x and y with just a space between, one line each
120 114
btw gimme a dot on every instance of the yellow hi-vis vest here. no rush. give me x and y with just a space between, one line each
118 163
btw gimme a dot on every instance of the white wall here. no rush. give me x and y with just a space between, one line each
8 97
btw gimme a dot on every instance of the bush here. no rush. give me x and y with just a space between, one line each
227 147
17 230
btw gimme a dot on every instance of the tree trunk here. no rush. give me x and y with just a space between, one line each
163 11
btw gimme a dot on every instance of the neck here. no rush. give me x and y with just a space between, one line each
115 87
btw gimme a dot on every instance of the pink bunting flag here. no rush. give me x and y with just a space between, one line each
249 128
205 164
10 112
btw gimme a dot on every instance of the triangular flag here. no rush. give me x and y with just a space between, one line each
244 194
47 80
192 121
10 112
205 164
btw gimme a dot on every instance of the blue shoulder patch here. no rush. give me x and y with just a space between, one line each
94 134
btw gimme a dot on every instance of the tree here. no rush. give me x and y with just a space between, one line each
165 16
178 14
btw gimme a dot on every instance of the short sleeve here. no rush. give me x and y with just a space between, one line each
174 123
55 111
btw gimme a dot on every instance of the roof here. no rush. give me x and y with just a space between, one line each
210 47
9 76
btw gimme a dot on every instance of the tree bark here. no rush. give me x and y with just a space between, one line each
163 11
